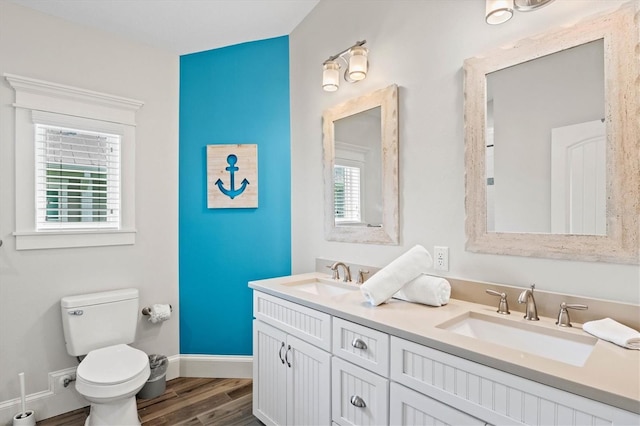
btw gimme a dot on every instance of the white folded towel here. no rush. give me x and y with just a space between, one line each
612 331
388 280
426 289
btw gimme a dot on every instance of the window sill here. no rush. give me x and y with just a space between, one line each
68 239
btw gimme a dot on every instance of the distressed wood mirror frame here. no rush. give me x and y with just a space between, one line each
387 100
620 33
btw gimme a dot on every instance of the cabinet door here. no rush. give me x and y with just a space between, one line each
358 396
308 384
269 374
410 408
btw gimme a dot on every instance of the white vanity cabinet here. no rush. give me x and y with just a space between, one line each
311 368
291 375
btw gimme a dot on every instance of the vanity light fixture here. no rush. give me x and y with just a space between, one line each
500 11
356 66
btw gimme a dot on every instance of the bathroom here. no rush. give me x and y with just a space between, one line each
200 260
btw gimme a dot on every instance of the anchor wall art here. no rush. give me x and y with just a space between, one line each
232 176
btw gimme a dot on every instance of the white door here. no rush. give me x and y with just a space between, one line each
410 408
578 179
269 374
308 384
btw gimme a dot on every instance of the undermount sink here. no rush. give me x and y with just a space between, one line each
322 287
559 345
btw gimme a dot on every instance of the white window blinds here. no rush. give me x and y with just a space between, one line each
346 193
77 179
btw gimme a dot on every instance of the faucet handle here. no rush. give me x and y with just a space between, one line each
503 307
335 274
361 274
563 315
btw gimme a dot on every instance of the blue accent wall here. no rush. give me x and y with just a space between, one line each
233 95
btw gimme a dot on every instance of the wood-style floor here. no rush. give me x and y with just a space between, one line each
186 401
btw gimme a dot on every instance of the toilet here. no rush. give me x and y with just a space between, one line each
99 326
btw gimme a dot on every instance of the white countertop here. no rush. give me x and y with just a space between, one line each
610 375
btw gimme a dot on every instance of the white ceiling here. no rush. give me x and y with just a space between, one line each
183 26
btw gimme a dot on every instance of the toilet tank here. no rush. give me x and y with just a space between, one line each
96 320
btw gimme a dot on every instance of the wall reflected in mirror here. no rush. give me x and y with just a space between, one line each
360 150
546 144
358 169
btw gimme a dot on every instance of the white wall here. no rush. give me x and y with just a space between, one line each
32 282
421 45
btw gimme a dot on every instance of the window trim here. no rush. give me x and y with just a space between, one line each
69 106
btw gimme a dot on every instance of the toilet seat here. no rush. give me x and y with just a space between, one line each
112 365
112 372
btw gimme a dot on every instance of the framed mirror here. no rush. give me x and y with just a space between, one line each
552 142
360 145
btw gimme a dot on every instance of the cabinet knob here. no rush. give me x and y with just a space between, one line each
356 401
358 343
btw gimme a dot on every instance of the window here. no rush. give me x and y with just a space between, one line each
77 179
346 193
75 166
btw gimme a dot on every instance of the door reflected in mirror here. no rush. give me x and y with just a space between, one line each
546 144
358 169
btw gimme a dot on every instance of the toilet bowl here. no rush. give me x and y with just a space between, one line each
109 378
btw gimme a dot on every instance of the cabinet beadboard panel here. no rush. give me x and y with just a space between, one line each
492 395
270 375
291 379
309 384
307 324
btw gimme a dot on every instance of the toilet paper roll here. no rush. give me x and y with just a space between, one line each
159 312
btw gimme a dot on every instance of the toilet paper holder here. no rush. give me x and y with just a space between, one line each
147 310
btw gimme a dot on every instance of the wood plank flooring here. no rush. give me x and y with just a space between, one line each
189 402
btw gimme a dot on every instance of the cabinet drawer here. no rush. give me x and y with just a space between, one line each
493 395
358 396
304 323
363 346
410 408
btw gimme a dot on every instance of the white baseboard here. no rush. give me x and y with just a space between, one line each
240 367
57 399
48 403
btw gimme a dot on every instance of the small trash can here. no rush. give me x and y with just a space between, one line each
157 382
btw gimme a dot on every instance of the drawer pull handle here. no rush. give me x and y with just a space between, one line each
356 401
358 343
286 356
280 352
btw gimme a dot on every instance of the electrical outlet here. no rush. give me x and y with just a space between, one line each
441 261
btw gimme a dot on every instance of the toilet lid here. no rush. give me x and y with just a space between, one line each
112 365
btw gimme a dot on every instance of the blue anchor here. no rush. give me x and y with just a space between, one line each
232 169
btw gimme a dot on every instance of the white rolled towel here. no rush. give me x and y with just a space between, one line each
426 289
388 280
612 331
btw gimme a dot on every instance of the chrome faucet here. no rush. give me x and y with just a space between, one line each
336 274
526 296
